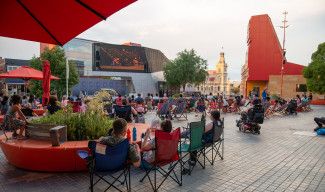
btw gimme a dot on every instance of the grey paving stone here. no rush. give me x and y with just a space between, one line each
276 160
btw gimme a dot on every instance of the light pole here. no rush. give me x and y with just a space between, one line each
283 47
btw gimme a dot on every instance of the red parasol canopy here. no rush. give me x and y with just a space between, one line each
26 73
54 21
46 84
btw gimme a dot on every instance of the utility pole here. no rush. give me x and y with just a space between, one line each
284 26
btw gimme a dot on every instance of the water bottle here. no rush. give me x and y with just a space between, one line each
134 134
128 134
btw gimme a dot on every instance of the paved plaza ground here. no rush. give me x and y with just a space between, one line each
282 158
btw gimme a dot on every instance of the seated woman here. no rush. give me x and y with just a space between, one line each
53 105
15 119
4 105
117 136
32 102
148 146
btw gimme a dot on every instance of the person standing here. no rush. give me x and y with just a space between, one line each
264 95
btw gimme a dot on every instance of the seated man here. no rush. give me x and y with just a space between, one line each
118 135
320 121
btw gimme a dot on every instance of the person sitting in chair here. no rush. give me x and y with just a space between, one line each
117 136
320 121
148 146
15 119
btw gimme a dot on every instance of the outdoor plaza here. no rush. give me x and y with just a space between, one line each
138 105
286 156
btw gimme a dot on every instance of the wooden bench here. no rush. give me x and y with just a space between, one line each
53 133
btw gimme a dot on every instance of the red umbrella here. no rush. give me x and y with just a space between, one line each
53 21
25 73
46 84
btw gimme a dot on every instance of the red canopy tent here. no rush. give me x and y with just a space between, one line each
54 21
25 73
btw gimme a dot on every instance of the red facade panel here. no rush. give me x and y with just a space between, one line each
265 52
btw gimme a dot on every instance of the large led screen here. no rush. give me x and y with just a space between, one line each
108 57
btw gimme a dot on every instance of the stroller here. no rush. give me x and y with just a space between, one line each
251 120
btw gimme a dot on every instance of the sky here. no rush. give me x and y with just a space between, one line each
204 25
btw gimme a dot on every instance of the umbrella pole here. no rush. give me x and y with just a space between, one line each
67 78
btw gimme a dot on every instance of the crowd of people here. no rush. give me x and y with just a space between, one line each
17 110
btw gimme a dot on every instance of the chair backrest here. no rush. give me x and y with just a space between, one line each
181 106
218 130
164 108
109 158
167 146
123 112
196 133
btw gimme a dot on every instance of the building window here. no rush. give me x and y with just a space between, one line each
10 68
301 88
218 88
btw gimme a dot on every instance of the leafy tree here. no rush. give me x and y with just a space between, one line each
315 71
57 60
187 68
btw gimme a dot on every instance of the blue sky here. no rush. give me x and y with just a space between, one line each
204 25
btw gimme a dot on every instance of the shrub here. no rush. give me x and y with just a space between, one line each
80 126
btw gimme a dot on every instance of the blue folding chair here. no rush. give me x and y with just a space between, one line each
108 163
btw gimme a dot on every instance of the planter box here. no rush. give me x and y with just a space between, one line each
48 132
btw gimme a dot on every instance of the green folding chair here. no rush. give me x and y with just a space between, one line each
194 144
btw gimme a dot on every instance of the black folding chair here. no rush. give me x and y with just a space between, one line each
124 112
216 147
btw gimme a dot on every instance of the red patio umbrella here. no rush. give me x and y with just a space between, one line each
46 84
53 21
25 73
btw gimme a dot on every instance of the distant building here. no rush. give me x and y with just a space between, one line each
264 57
139 68
217 81
12 86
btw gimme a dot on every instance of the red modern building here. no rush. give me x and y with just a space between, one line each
264 57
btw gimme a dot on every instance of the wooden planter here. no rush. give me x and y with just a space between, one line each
48 132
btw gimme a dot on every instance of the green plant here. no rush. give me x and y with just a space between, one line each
186 68
80 126
314 72
57 59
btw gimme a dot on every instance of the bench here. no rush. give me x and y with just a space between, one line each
53 133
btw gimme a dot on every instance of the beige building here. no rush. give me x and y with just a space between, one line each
216 81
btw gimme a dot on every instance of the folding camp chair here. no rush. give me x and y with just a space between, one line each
217 146
123 112
164 111
108 163
166 153
193 144
180 111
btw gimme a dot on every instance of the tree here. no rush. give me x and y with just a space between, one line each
314 72
57 59
187 68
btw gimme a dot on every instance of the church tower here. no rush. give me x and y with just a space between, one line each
221 75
